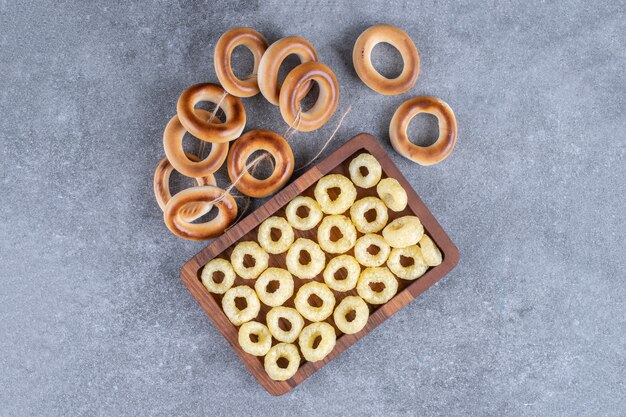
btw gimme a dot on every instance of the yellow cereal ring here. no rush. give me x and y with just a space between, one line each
430 251
234 314
409 272
403 231
280 294
352 270
284 314
208 276
237 257
303 213
305 270
347 193
270 240
310 312
309 335
348 306
345 227
392 193
285 351
262 334
371 250
358 210
365 162
379 276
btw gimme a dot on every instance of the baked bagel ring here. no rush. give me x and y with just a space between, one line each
423 155
173 145
274 57
295 88
251 39
199 231
362 59
211 131
245 146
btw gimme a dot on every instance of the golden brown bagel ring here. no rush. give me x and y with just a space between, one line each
362 59
292 92
274 57
211 131
199 231
423 155
173 144
241 150
224 47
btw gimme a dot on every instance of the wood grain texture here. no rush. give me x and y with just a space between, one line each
337 162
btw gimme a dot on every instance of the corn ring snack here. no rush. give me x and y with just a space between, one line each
378 276
310 312
430 251
403 231
367 162
303 213
280 294
310 269
308 337
409 272
371 257
263 341
208 276
352 271
250 311
345 227
351 305
347 193
238 258
285 351
392 193
292 316
266 235
364 205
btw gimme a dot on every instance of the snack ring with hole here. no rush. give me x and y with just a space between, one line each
368 162
308 221
173 145
244 147
281 294
307 339
291 315
268 239
218 265
252 249
180 224
263 336
211 131
362 206
364 256
309 311
403 231
234 314
345 227
411 272
430 251
347 263
286 351
377 275
310 269
351 304
423 155
347 193
392 193
255 43
362 59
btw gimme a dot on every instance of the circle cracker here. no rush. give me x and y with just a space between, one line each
295 88
236 315
214 131
423 155
267 237
281 294
310 312
274 57
325 234
208 276
310 334
307 220
181 226
352 270
251 39
363 206
347 193
362 59
282 351
348 305
379 275
292 316
403 231
392 193
367 162
305 270
253 250
364 256
246 145
412 271
263 341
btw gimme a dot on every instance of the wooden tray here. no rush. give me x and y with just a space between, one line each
247 230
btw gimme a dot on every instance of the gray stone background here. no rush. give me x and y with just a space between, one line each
94 319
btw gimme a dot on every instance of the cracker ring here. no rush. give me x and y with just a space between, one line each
263 336
294 89
345 227
215 132
286 351
423 155
280 294
362 59
180 225
274 57
309 335
364 205
352 271
252 249
364 256
403 231
234 314
346 307
265 235
208 279
377 275
368 162
255 43
296 322
430 251
310 219
346 197
246 145
310 312
392 193
315 265
411 272
173 145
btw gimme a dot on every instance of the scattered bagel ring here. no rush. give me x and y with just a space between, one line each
362 59
246 145
251 39
214 131
423 155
